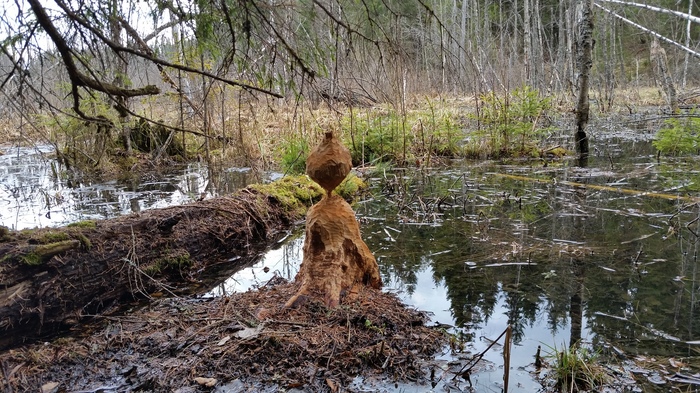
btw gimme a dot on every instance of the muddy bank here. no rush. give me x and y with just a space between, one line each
52 279
244 342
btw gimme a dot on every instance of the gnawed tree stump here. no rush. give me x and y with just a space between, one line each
336 260
329 163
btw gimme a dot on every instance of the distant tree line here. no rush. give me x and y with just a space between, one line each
178 65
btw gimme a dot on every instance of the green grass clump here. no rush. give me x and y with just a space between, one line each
389 135
576 369
294 153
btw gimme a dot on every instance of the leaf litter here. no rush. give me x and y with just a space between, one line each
238 343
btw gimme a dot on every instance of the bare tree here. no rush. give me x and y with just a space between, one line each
584 62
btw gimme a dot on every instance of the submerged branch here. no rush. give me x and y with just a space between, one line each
604 188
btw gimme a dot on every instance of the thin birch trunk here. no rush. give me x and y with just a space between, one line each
538 48
687 43
527 42
463 40
584 62
658 58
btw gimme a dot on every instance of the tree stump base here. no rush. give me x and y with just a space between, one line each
336 259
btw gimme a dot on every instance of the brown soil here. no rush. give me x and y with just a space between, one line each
188 345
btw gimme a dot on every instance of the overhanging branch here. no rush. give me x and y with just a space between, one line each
655 9
119 48
646 30
77 78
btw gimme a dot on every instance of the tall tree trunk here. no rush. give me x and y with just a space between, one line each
658 58
584 61
527 42
120 71
687 43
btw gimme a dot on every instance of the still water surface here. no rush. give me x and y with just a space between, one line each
605 254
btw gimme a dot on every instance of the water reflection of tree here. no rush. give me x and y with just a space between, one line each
592 261
401 255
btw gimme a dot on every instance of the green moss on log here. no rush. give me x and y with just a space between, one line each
294 193
86 243
39 254
51 237
172 261
83 224
298 193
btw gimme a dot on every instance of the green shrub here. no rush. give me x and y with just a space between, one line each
510 124
678 136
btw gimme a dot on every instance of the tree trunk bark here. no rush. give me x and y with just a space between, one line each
584 62
658 58
51 279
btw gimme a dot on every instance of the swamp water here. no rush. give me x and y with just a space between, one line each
605 254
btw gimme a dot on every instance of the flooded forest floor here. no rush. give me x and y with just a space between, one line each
481 245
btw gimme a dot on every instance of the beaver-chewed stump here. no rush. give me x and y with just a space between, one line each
329 163
336 260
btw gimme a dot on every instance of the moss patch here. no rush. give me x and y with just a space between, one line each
36 255
174 260
297 193
83 224
50 237
350 187
86 243
294 193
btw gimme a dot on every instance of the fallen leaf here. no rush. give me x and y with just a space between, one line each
223 341
206 382
249 332
50 387
332 385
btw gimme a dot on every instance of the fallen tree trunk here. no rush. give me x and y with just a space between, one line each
51 279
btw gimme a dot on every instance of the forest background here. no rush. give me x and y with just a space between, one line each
255 83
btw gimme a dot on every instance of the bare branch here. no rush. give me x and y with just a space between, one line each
78 78
119 48
652 8
651 32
